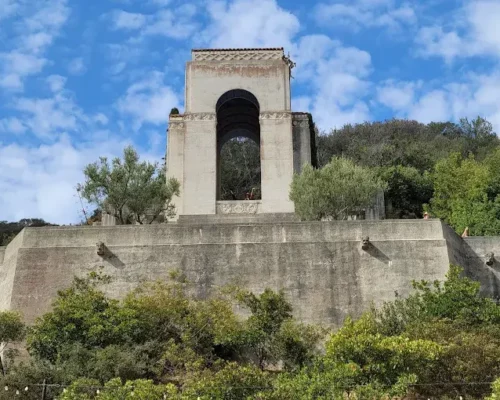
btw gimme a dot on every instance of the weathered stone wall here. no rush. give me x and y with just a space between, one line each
8 271
475 250
320 265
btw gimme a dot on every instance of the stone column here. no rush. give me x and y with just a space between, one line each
276 161
175 157
301 141
200 164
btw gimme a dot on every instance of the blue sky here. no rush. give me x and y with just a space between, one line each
83 78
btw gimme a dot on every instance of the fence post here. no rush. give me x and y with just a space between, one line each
43 389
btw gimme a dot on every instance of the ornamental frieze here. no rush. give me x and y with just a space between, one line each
275 115
237 207
238 55
199 117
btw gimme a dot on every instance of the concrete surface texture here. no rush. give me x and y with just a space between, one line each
236 93
321 266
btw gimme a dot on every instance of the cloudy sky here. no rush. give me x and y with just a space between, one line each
83 78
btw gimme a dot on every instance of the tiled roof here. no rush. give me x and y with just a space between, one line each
243 49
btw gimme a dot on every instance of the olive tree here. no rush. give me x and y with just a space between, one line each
132 191
338 190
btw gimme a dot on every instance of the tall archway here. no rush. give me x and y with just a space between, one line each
238 146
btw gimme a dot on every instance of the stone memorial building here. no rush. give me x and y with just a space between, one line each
237 93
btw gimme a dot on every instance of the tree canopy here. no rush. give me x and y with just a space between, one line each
132 191
338 190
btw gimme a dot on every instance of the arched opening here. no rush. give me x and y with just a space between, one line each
238 146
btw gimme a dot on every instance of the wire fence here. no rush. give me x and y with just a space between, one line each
49 391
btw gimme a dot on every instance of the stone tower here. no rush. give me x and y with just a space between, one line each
232 93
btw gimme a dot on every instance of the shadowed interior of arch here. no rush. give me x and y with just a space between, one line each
238 146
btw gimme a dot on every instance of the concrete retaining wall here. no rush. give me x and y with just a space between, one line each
8 271
320 265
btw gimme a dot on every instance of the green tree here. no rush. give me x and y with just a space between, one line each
383 359
337 190
407 190
461 190
12 330
232 381
495 395
130 190
83 315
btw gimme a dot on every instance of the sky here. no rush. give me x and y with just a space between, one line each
80 79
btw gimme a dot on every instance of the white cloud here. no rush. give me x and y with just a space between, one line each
249 23
435 42
76 66
16 66
126 20
37 42
41 23
337 78
432 107
397 95
476 34
177 24
51 116
365 14
56 82
473 95
12 126
8 8
40 180
483 17
149 100
50 16
11 82
101 119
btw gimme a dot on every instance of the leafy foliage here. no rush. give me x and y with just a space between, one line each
407 190
81 315
336 191
465 194
132 191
